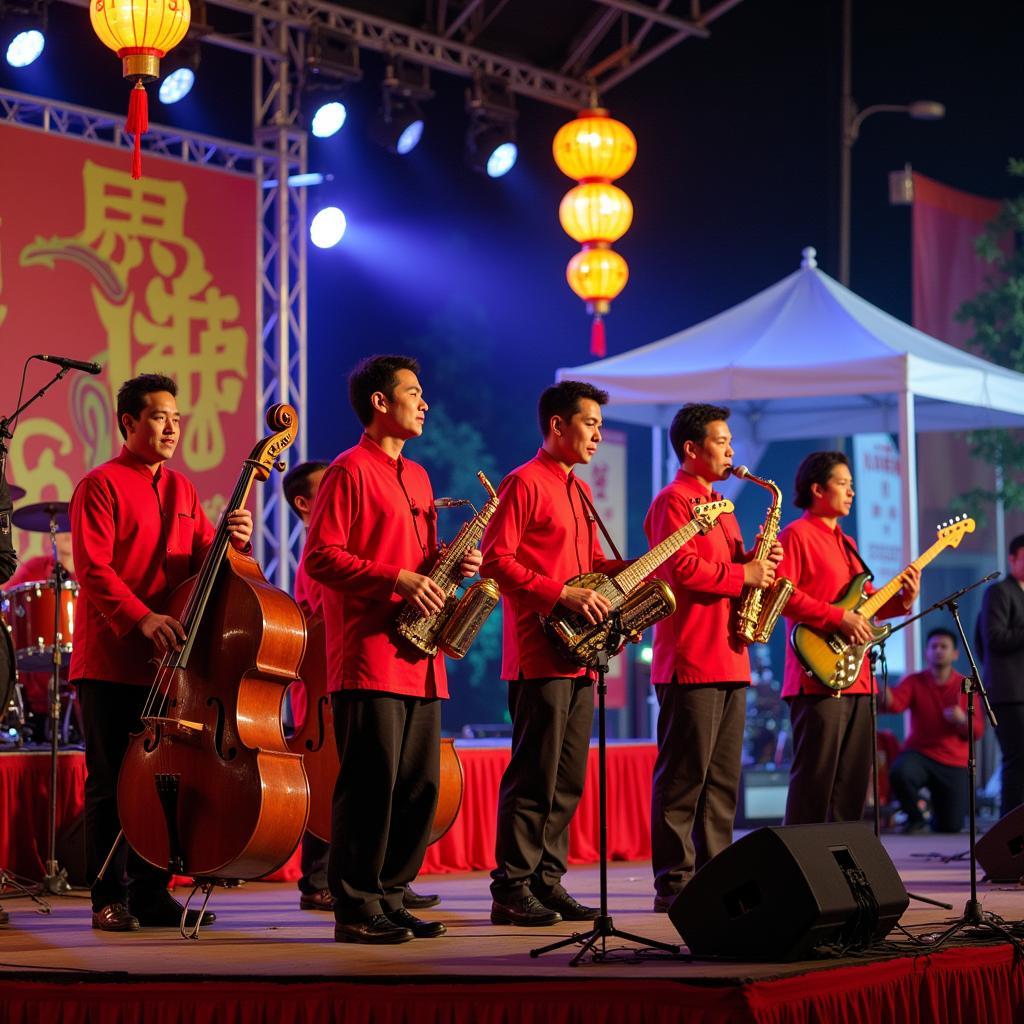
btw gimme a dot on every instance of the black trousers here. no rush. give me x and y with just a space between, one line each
696 778
832 758
947 784
1010 732
110 712
313 863
542 785
383 808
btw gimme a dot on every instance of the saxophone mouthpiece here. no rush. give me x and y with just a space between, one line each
741 471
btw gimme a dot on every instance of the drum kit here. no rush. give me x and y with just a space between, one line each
37 628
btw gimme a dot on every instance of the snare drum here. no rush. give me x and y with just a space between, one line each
31 621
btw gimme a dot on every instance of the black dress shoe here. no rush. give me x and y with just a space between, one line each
662 904
420 929
526 911
414 901
114 917
376 930
320 900
166 912
569 909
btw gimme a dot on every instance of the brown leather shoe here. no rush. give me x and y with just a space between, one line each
415 901
114 917
320 900
376 930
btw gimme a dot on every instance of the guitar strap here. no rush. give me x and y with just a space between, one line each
856 554
597 519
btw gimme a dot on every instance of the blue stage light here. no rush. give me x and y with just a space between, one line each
177 85
25 48
410 137
502 159
328 119
327 228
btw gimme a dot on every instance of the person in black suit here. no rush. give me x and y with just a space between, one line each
1000 639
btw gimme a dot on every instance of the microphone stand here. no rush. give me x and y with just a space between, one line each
604 928
973 915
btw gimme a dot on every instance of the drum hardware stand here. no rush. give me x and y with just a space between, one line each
55 880
10 881
973 915
604 928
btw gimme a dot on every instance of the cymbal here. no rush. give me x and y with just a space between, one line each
16 492
36 518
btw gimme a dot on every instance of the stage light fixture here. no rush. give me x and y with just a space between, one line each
181 65
491 136
327 227
328 119
23 27
398 126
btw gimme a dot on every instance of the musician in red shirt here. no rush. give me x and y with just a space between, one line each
700 670
832 753
8 565
138 530
935 752
372 538
542 534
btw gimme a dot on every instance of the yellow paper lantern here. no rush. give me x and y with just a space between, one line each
140 32
597 273
594 147
596 212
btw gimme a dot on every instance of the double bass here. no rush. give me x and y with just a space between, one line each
208 788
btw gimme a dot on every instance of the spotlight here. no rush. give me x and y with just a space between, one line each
491 136
180 67
327 228
23 32
399 122
328 119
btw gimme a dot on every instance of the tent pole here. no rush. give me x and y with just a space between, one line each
657 460
908 474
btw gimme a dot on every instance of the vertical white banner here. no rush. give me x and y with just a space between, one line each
879 509
606 476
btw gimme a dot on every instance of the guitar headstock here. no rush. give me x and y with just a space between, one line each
706 515
953 530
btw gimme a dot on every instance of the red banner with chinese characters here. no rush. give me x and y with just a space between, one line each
150 276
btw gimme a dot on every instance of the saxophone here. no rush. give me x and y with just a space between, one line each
760 607
456 626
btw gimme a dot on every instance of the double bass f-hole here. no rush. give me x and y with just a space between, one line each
314 744
218 731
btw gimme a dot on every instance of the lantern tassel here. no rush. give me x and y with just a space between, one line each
137 125
598 347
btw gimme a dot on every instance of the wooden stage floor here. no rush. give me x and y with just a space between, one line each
261 934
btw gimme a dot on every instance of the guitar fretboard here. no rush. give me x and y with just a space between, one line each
878 599
630 578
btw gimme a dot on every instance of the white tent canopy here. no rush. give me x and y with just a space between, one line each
809 358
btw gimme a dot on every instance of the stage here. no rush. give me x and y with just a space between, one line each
266 961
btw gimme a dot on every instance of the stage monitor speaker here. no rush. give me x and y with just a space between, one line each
778 894
1001 849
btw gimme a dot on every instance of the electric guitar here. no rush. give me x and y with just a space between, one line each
835 661
636 604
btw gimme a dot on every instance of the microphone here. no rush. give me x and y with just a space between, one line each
70 364
451 502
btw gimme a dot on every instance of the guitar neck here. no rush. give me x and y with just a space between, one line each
632 576
876 601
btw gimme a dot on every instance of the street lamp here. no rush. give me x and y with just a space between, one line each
850 121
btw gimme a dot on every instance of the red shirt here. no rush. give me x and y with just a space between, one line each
540 537
697 643
373 517
136 535
820 562
930 733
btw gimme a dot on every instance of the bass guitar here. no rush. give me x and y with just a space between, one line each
835 661
636 604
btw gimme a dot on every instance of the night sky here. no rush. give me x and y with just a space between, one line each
738 169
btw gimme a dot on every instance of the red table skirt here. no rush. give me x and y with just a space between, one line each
468 845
